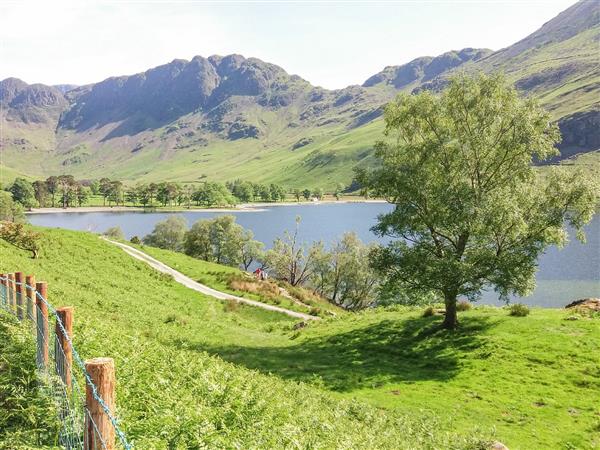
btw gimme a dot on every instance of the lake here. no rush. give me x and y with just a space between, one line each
564 275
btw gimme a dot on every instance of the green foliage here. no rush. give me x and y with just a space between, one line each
42 195
21 236
221 240
28 414
10 211
135 240
518 310
168 234
470 210
23 193
344 275
114 233
213 194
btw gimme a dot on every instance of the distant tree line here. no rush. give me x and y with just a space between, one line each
66 192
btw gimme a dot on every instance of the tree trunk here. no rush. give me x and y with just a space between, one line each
450 320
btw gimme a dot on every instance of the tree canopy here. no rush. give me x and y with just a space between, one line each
471 211
168 234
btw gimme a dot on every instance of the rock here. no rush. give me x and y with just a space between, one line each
593 304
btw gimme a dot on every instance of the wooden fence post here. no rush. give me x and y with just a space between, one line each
99 432
30 289
3 287
11 292
20 289
42 324
63 354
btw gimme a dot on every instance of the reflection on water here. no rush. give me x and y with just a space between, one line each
564 275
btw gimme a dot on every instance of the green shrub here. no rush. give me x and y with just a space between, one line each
114 233
429 311
135 240
463 305
518 310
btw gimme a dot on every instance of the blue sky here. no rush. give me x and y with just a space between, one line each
331 44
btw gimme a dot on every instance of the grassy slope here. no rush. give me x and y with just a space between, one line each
170 391
215 276
588 162
531 378
575 90
27 414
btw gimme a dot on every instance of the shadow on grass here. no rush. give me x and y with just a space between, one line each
389 351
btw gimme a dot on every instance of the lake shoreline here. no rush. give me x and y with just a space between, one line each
243 207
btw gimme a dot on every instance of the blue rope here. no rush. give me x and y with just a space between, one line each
81 365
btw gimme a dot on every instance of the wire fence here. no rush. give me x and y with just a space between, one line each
86 413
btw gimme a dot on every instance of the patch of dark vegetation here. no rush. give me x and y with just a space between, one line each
302 142
241 130
77 159
137 148
546 78
319 159
365 117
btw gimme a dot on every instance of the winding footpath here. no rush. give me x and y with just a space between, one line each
203 289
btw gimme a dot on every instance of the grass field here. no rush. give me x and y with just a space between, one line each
193 371
171 392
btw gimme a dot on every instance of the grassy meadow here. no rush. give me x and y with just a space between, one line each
173 391
194 372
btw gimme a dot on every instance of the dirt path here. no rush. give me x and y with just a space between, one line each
189 283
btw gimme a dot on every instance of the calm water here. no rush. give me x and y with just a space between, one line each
564 275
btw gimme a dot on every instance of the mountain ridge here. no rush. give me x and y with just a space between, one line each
221 117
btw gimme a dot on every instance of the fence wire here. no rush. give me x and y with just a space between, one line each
66 383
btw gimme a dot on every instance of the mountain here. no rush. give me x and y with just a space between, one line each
560 64
424 69
225 117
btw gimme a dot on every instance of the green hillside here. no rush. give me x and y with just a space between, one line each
195 372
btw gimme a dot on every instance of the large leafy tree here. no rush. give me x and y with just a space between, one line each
23 193
470 209
221 240
168 234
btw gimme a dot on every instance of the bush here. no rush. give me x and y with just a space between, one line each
518 310
463 305
168 234
429 311
21 237
114 233
135 240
